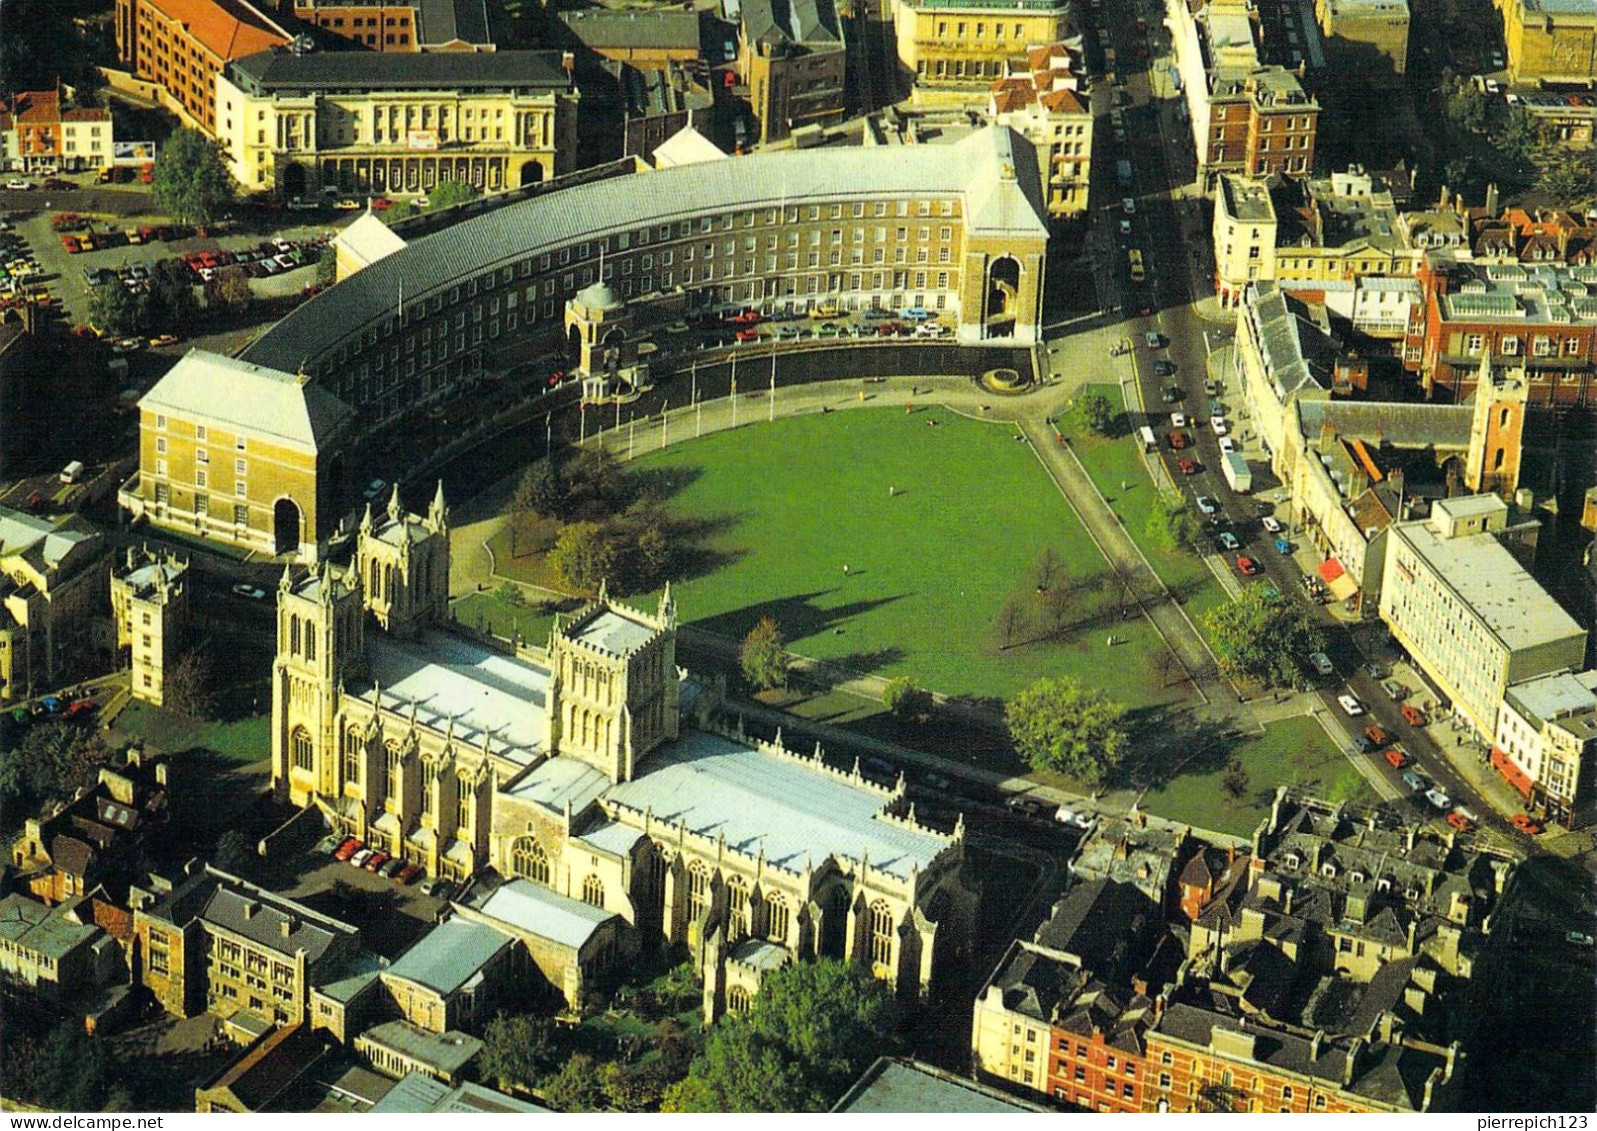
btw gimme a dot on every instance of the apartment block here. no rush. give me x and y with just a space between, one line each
182 45
1244 236
1046 102
407 26
953 49
1468 613
1541 316
1545 739
42 135
363 122
1550 41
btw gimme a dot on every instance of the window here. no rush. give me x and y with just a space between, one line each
199 431
737 999
299 745
201 479
776 918
463 803
391 786
352 748
737 910
881 933
698 891
593 891
529 861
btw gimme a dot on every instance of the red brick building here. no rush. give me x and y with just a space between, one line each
1539 316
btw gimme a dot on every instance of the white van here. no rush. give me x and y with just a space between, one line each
72 472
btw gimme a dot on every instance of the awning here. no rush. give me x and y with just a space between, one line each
1515 776
1342 586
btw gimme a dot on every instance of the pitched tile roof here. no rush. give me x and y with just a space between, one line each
228 29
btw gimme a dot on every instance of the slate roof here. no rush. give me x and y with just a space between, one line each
896 1086
545 913
45 542
973 168
777 806
1443 426
1104 924
809 23
382 70
32 926
252 399
450 21
449 955
261 917
605 30
449 1052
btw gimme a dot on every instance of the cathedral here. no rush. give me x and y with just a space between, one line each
598 768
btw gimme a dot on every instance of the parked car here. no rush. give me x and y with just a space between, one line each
1414 781
1413 716
1074 818
1578 938
1188 465
1207 505
1525 824
78 710
1322 663
1457 819
1179 440
1219 425
375 860
1163 368
408 874
1377 734
1247 566
1394 689
358 860
1154 339
1396 758
1128 205
438 888
1350 704
1438 799
348 848
249 591
1228 541
1179 419
17 184
1282 546
1271 524
391 867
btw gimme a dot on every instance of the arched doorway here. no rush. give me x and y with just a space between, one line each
574 345
1003 292
834 923
294 179
285 527
531 173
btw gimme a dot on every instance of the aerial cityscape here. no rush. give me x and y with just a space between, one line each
871 556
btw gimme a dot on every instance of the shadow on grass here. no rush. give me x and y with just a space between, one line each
859 663
798 616
1172 741
653 486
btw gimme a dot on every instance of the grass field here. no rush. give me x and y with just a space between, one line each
1292 751
248 739
490 611
1111 462
931 565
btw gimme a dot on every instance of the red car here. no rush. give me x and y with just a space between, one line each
1247 566
350 846
1188 465
748 334
747 318
381 204
1525 824
1413 715
408 874
79 709
71 244
1396 758
1459 821
376 860
556 377
1179 440
1376 735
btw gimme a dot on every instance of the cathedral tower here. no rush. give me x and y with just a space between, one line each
402 561
320 644
1497 430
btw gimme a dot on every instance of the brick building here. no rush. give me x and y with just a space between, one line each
407 26
46 136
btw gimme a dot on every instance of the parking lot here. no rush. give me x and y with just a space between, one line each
391 915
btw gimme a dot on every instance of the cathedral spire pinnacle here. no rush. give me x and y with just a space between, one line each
396 508
438 513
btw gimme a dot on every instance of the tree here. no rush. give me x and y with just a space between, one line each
67 1071
584 556
191 182
235 853
326 267
1047 568
543 490
53 761
116 310
1262 638
400 210
447 194
907 701
576 1086
189 687
1058 725
633 1087
1567 175
651 556
519 1050
763 656
229 290
596 485
1171 524
810 1032
1235 781
1011 619
1097 412
172 304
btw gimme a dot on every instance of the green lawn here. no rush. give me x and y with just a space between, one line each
1292 751
930 568
501 618
1111 462
242 740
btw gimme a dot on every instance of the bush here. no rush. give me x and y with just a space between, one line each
763 656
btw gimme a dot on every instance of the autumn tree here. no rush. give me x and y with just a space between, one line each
763 656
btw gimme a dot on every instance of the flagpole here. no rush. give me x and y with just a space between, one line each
734 390
665 436
772 418
582 413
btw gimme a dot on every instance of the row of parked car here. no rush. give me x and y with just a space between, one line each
351 850
68 706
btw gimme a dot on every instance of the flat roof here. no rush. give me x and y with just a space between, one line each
894 1085
449 1052
271 71
613 632
1247 200
1564 698
416 1093
1491 582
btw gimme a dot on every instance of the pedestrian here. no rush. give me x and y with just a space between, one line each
845 571
891 491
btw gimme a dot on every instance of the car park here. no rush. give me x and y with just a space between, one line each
1350 704
1228 541
1207 505
1322 663
1525 824
1438 799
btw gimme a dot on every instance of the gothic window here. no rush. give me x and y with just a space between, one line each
391 787
737 910
737 999
429 791
463 800
293 635
881 934
698 890
593 891
527 860
310 641
776 918
299 744
352 747
377 582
